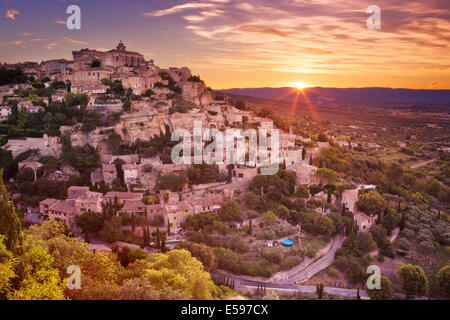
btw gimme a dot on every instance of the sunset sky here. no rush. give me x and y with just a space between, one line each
254 43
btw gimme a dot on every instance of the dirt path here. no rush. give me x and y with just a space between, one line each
423 163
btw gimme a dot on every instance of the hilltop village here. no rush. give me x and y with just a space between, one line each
87 143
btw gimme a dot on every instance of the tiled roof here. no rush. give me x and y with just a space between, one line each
123 195
66 206
109 167
48 201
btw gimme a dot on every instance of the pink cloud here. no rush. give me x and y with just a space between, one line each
11 14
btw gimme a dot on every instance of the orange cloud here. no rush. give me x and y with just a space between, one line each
435 84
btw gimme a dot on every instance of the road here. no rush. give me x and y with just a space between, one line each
304 289
319 265
423 163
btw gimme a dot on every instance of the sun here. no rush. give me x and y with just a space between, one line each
299 85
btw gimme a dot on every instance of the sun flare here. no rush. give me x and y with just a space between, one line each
299 85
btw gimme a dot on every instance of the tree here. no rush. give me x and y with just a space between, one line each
90 222
402 222
230 211
10 226
269 217
302 191
110 231
322 137
177 270
38 279
385 293
443 277
136 254
371 202
365 242
390 221
253 201
414 280
106 82
8 264
114 141
203 253
319 290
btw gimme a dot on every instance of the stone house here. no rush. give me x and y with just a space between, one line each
109 173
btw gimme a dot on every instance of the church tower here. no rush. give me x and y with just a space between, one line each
121 46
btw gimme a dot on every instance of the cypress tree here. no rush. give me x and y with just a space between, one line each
158 243
402 222
163 243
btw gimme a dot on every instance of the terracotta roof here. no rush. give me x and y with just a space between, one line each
48 201
66 206
109 167
123 195
133 204
78 188
178 206
90 196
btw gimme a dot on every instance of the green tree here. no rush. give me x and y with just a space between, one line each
90 222
230 211
38 279
326 176
414 280
10 225
390 221
385 293
136 254
371 202
114 141
8 264
443 277
269 218
203 253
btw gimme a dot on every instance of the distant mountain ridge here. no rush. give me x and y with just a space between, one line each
365 96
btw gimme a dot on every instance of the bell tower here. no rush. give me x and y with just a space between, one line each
121 46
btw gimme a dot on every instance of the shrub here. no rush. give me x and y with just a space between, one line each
408 233
333 273
426 247
272 255
404 244
290 262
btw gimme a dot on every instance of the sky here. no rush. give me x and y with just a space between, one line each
253 43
